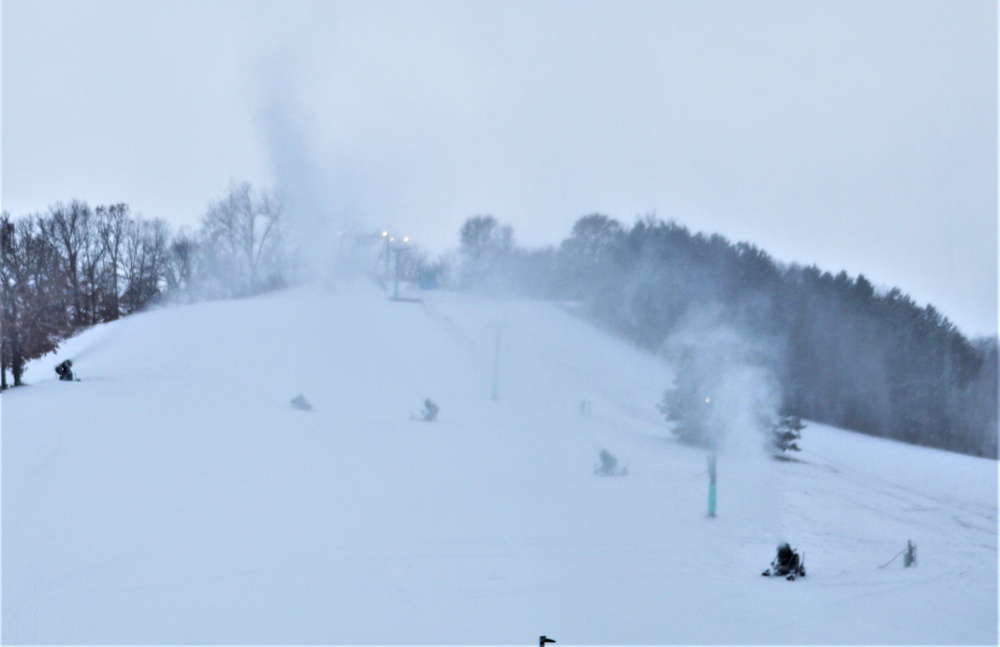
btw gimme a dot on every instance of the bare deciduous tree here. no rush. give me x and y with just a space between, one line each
244 231
181 264
112 228
68 227
145 258
35 315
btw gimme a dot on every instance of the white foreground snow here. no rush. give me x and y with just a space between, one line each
175 496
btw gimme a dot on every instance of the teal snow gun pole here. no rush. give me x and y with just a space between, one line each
711 483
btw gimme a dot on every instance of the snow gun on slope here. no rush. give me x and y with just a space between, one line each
786 564
65 371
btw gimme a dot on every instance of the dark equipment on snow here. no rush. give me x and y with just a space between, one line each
300 402
65 371
786 564
910 557
544 639
609 465
430 411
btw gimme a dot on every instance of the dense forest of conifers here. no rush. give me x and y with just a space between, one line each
842 351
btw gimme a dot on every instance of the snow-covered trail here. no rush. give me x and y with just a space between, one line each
175 496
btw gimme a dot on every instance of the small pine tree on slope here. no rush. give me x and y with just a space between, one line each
786 432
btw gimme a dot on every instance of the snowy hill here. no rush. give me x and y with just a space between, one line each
175 496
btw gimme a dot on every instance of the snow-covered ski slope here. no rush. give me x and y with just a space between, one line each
175 496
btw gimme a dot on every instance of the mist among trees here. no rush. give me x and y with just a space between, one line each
840 351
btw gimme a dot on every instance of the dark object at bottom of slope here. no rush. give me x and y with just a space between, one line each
786 564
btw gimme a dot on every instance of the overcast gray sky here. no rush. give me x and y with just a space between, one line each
854 135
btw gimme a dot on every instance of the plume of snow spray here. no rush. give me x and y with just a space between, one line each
731 374
316 208
741 394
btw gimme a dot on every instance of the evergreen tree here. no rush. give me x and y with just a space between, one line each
786 432
687 406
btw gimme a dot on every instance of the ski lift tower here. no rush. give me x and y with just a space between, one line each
397 248
497 325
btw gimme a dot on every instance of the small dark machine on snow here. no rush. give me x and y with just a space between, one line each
786 564
609 465
299 402
430 412
65 371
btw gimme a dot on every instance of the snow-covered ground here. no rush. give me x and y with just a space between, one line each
175 496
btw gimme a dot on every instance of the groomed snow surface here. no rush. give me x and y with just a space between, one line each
175 496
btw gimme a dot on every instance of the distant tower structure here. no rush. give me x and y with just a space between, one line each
497 327
397 248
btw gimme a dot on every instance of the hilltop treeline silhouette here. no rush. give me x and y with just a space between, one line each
845 353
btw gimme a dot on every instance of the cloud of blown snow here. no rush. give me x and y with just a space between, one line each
323 227
733 372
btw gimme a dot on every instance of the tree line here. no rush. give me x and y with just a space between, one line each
842 352
74 266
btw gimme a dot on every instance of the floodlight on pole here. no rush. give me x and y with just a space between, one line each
385 250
